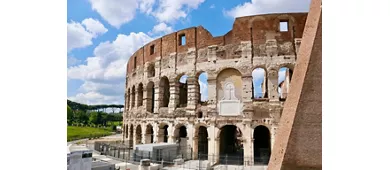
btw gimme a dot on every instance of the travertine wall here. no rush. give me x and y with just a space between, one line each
254 42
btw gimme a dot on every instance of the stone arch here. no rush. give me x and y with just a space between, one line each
201 141
182 82
128 97
126 131
202 86
140 94
131 133
180 134
261 145
149 133
259 83
285 73
138 134
133 96
230 145
151 70
164 92
229 75
163 133
150 97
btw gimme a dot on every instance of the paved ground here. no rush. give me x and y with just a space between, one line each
188 165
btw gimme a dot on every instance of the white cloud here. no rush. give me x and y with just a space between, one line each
258 74
73 61
203 91
281 75
109 62
255 7
172 10
212 6
146 6
79 36
94 26
104 73
161 28
116 12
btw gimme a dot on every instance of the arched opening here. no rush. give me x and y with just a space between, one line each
163 133
126 131
262 145
138 135
150 97
284 80
203 143
131 136
151 70
149 134
259 84
230 145
140 94
164 92
203 88
183 91
132 96
180 135
128 99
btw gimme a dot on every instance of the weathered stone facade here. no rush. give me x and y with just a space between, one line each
153 112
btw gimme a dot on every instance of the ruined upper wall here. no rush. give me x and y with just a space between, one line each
256 29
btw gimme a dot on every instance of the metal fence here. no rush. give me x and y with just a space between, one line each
183 157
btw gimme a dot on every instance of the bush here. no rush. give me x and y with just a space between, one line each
113 128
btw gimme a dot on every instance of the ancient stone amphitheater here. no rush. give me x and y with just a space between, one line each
163 100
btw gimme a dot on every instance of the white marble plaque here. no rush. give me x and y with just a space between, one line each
229 105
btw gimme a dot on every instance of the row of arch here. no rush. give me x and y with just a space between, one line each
230 141
259 88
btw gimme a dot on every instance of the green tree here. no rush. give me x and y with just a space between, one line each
81 117
93 118
70 115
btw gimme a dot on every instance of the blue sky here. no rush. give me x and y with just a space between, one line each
102 35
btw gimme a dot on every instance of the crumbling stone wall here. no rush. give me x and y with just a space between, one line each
254 42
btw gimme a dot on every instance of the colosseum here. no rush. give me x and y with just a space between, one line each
231 114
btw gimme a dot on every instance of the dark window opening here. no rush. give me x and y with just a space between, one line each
182 39
283 26
151 49
135 62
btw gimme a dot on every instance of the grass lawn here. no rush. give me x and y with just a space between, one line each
116 123
74 133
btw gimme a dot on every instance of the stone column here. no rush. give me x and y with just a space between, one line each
193 94
144 99
213 145
137 97
195 147
248 143
155 133
212 90
134 136
273 85
171 134
174 95
143 136
157 99
247 88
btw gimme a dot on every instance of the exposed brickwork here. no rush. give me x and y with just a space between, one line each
254 42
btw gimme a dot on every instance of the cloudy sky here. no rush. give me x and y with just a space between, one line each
103 34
